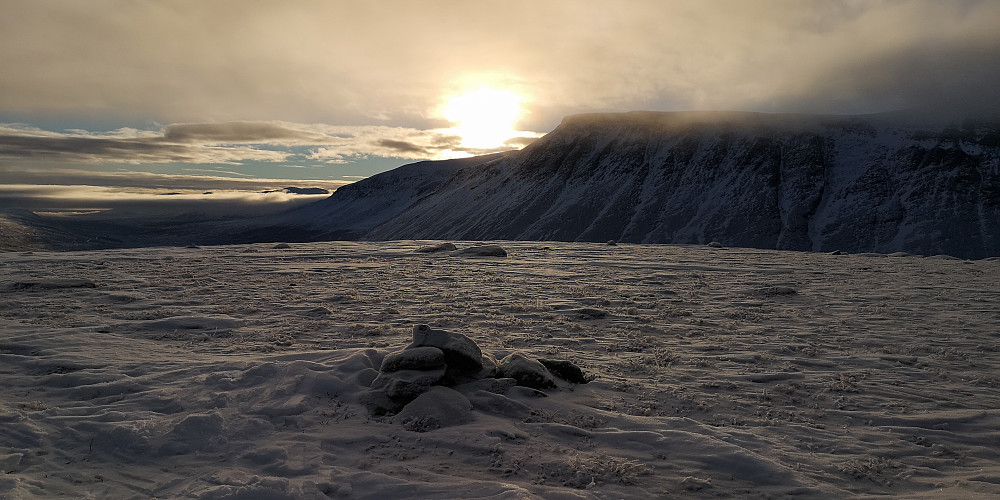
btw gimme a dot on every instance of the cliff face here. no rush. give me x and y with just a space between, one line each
790 182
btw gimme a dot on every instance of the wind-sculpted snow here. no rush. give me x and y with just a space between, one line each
817 183
676 372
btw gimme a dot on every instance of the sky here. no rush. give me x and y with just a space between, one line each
200 95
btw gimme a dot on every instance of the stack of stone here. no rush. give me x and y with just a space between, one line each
437 360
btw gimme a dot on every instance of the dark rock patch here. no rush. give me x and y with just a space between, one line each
404 385
440 247
527 372
417 358
483 251
591 313
460 352
565 370
438 407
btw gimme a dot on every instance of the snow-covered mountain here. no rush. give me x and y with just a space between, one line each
354 209
797 182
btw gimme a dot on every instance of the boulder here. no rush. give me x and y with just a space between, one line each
483 251
440 247
565 370
417 358
438 407
460 352
404 385
490 368
527 372
591 313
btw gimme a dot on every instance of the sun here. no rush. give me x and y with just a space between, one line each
484 118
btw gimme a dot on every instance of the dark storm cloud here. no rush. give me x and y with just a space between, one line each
239 132
230 142
443 143
81 148
945 79
404 147
54 147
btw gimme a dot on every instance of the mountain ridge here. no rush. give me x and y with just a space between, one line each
878 183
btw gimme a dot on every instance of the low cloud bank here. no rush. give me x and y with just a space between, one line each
144 194
231 143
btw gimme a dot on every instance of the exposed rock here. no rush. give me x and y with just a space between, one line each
565 370
440 247
281 246
591 313
456 376
416 358
438 407
460 352
483 251
404 385
526 372
490 368
611 243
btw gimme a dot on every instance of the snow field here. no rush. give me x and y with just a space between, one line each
238 372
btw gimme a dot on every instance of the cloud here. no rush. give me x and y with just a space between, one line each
403 147
240 132
142 194
231 143
126 202
393 62
77 148
152 182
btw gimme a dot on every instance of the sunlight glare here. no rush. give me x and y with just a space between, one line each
485 117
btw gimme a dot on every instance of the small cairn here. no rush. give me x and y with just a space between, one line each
436 362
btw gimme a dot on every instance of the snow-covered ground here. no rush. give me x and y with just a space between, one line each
240 371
